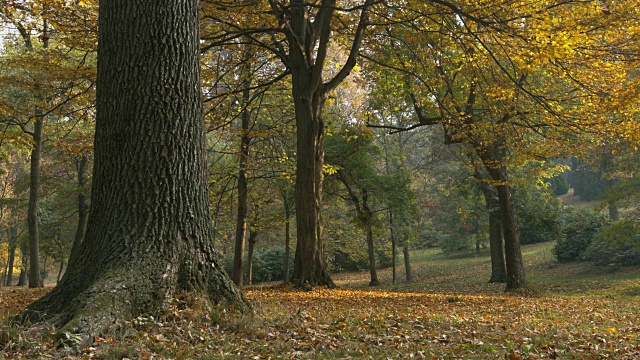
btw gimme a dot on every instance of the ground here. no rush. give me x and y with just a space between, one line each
449 311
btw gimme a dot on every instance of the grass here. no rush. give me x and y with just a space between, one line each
574 311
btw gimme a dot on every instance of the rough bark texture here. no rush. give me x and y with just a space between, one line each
149 233
310 265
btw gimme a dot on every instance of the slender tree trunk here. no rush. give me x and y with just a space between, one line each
493 159
367 218
149 231
393 248
44 273
22 278
496 243
24 270
513 252
83 205
12 258
60 272
372 256
13 244
243 198
32 211
252 246
287 236
407 263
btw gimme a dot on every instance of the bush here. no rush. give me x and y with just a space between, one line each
268 264
617 245
580 228
559 184
538 215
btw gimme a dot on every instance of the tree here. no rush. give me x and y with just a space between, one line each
148 234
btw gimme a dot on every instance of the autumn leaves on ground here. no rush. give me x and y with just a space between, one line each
449 311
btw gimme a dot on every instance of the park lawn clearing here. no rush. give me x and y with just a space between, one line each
558 319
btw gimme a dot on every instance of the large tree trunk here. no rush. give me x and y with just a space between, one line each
149 232
83 204
243 198
498 269
32 211
493 159
310 265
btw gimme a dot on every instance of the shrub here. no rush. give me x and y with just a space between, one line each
268 264
579 229
617 245
559 184
538 215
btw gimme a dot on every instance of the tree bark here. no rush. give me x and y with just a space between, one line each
407 263
287 235
24 252
32 211
252 246
149 233
22 278
367 217
498 269
496 244
493 158
12 258
83 205
513 252
393 247
12 232
310 265
60 271
243 198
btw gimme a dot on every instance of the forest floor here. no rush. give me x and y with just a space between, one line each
571 311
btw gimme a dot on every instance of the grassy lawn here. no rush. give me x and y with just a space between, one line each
572 311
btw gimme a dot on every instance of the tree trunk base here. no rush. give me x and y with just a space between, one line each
124 294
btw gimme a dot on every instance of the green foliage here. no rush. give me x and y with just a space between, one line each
538 214
617 244
587 181
268 264
559 184
579 229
